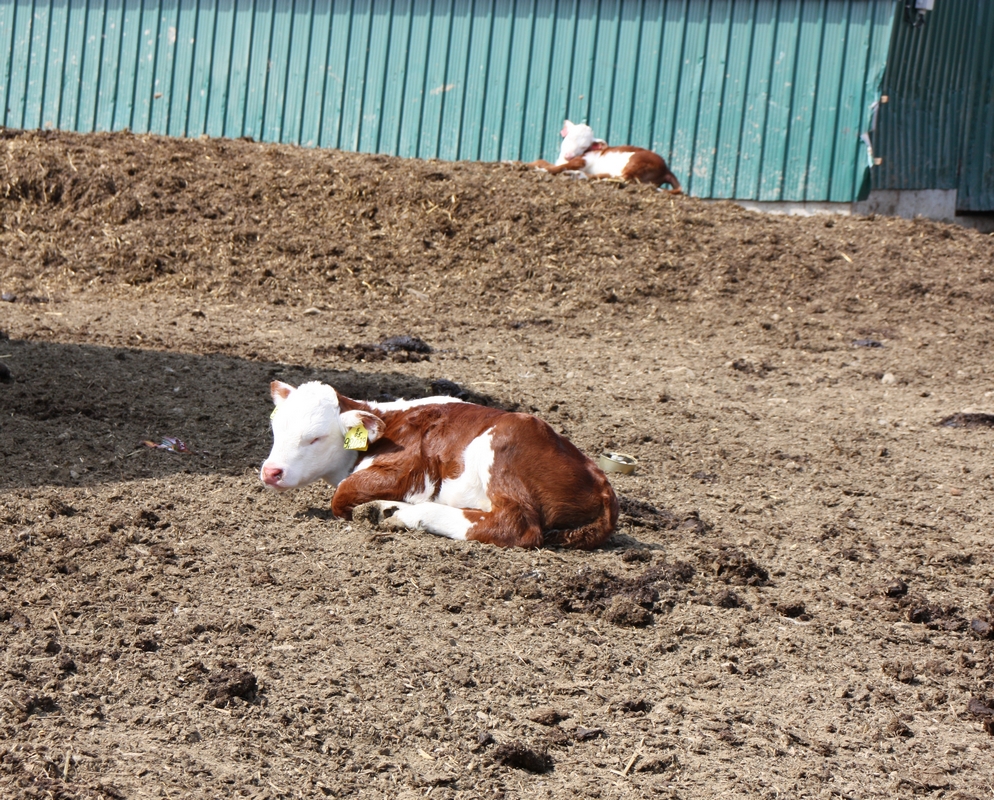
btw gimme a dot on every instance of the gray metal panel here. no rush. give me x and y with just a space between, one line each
937 130
927 83
976 184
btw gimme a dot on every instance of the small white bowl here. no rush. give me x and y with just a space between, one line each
617 462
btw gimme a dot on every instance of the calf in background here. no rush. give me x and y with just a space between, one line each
581 152
440 465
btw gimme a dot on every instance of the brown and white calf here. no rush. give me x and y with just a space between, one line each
633 164
440 465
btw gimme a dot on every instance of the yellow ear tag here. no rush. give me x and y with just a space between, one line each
275 409
357 438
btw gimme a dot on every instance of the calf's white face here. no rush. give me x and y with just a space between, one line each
577 139
309 431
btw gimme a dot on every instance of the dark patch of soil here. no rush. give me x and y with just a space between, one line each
968 420
520 756
548 716
227 684
732 566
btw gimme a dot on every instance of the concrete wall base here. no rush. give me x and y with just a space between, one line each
936 204
793 209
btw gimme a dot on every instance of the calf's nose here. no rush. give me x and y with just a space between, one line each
271 475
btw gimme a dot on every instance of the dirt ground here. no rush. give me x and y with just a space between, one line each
798 600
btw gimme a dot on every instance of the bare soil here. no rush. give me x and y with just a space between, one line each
797 603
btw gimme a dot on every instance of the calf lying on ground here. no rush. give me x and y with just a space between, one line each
634 164
440 465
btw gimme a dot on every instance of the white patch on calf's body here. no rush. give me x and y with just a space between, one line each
364 463
470 489
438 519
609 163
403 405
422 495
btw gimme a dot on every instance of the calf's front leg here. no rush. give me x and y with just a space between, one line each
372 483
574 164
435 518
372 495
505 526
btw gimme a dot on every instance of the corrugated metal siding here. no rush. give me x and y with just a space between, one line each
752 99
976 185
937 129
926 82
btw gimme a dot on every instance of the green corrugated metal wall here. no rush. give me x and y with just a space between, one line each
751 99
937 129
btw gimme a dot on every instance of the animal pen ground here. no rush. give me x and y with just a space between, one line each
797 602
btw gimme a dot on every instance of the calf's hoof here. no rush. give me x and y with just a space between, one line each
371 513
379 514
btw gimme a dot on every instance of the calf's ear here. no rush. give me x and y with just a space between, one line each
373 424
280 391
